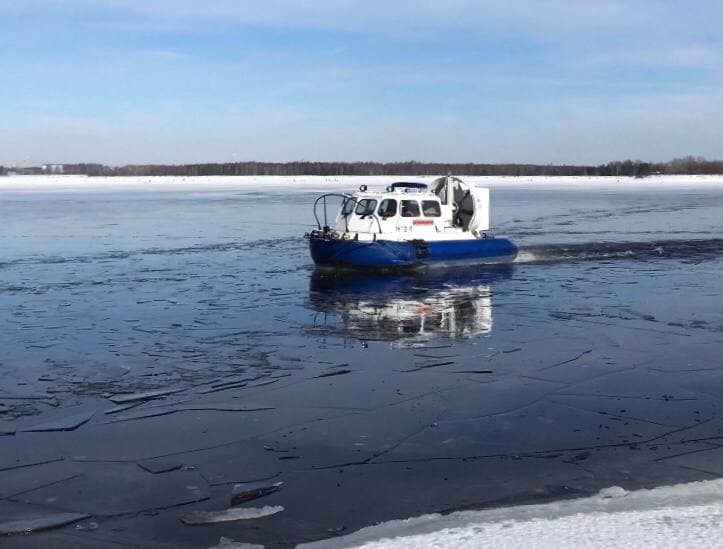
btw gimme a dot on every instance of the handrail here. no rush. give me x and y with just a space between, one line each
323 196
378 222
346 198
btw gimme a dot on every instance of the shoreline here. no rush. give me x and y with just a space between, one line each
683 515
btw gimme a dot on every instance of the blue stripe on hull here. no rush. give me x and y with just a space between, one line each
388 253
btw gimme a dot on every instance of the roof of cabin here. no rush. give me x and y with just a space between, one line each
408 185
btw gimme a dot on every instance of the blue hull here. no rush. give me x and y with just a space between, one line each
388 253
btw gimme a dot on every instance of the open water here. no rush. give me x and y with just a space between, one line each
159 347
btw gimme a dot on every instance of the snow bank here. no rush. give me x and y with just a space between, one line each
685 515
69 183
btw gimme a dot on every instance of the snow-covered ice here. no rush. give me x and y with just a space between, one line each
681 516
71 183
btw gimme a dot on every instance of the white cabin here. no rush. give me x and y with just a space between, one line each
448 209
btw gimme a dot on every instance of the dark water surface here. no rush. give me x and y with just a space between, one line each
158 348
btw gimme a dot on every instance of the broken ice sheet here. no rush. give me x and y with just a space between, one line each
9 462
224 407
118 488
156 411
262 383
198 518
123 407
123 399
14 482
68 423
159 465
6 428
248 491
34 524
143 414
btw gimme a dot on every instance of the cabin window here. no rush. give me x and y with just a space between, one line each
366 207
410 208
388 208
430 208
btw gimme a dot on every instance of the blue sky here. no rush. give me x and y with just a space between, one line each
546 81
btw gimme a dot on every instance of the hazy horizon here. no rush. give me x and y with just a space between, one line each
163 82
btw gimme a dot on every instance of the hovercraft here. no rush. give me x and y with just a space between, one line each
409 224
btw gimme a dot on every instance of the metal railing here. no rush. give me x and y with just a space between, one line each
346 198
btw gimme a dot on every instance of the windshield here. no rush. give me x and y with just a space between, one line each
348 207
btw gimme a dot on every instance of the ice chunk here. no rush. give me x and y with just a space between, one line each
87 527
249 491
198 518
29 525
331 373
613 492
68 423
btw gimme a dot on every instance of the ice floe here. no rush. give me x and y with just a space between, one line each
35 524
242 493
197 518
68 423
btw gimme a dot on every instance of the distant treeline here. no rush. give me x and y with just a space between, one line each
637 168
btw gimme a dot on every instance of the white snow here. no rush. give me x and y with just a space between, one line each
681 516
69 183
228 543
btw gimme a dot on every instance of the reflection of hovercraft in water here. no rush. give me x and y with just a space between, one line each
414 307
407 226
